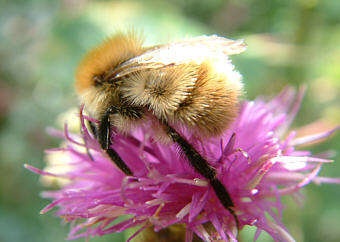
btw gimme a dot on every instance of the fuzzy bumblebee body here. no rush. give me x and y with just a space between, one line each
190 83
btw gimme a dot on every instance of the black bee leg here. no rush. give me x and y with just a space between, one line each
195 159
225 199
93 130
92 127
104 139
85 141
202 167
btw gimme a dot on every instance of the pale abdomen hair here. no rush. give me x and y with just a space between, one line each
203 97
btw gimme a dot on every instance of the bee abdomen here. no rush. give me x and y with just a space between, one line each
196 96
160 90
212 104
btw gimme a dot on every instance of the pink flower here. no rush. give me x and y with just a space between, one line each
255 162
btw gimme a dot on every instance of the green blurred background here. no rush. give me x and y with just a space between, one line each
41 42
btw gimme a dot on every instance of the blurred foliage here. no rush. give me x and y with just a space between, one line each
41 42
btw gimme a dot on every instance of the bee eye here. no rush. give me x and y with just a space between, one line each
97 80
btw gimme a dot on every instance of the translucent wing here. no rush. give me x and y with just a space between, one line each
193 50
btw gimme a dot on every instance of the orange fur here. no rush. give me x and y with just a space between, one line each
106 56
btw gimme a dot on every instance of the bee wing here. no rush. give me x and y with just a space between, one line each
193 50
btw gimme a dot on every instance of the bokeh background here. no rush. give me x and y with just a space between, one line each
292 42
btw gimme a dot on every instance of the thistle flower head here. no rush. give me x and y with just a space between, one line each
256 160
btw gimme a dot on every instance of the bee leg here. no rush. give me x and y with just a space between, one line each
84 138
93 130
195 159
85 143
104 139
202 167
225 199
92 127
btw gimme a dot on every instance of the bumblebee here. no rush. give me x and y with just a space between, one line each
189 83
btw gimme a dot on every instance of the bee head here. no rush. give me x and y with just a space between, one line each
94 84
96 66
